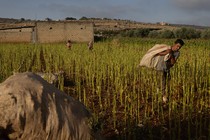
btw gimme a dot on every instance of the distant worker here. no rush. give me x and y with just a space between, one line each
69 44
162 57
90 45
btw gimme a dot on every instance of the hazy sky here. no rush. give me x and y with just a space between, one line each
193 12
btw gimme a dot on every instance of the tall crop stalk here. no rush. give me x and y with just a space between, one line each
109 82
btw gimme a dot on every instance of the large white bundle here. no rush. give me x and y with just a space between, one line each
148 59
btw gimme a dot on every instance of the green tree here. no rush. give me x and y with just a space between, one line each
167 34
70 18
143 32
153 34
187 33
83 18
205 34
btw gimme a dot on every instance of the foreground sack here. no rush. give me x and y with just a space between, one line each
32 109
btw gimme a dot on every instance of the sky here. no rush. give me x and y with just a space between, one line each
191 12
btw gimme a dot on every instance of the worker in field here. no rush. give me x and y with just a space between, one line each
69 44
90 45
161 58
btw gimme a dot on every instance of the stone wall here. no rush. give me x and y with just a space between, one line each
16 35
61 31
49 32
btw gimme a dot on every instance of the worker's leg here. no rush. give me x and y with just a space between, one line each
163 83
163 86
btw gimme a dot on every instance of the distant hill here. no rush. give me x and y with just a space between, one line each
8 20
190 26
12 23
102 24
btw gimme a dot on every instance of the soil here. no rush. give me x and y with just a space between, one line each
170 126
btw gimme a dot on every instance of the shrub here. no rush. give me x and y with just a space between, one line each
205 34
187 33
153 34
141 32
167 34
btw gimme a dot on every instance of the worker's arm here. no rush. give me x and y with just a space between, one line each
171 61
165 52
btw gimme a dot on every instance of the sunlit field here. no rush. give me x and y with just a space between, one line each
123 98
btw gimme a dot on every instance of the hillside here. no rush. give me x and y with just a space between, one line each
101 24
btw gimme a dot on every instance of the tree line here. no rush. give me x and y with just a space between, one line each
184 32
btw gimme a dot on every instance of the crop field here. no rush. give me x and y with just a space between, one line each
123 98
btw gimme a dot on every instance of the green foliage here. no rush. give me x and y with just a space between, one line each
167 34
143 32
184 33
187 33
205 34
70 18
83 18
22 19
120 95
153 34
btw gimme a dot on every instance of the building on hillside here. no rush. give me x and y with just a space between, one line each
49 32
163 23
